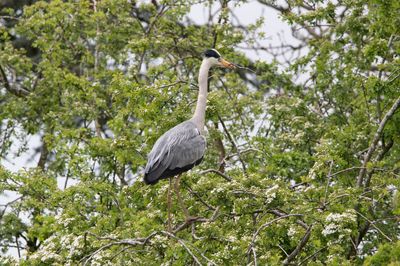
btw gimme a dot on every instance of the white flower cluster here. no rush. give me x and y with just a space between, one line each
50 250
270 194
7 261
47 250
161 240
100 259
75 246
217 190
347 216
154 214
291 232
339 223
65 222
231 238
303 188
316 167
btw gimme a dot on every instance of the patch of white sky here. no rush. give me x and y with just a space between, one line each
244 14
274 29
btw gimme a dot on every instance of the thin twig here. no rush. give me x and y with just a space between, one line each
233 144
9 17
374 226
312 255
282 213
284 251
183 245
227 178
246 68
132 242
346 170
196 194
253 240
224 5
328 181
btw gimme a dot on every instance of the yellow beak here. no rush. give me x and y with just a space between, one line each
223 63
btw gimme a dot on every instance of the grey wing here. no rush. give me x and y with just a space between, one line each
188 152
178 150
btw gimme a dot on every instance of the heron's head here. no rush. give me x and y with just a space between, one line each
215 59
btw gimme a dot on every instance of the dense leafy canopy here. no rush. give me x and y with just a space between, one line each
303 155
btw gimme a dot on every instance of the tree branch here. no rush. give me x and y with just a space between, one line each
374 226
299 247
281 213
132 242
16 91
375 140
312 255
385 149
227 178
183 245
253 240
189 222
233 144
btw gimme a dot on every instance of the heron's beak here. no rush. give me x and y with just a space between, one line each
223 63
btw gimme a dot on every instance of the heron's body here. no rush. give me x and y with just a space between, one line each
183 146
176 151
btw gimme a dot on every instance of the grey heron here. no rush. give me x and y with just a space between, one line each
182 147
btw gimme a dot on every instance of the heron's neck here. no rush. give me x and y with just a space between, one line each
200 112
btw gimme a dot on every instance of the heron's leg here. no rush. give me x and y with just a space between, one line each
185 210
169 204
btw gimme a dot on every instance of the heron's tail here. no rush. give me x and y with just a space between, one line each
150 179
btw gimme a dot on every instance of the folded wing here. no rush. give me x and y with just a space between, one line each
176 151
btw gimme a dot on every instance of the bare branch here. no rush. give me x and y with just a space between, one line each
281 213
183 244
43 155
131 242
299 247
224 5
262 227
188 249
385 149
222 153
189 222
20 92
374 226
227 178
312 255
196 194
233 143
375 140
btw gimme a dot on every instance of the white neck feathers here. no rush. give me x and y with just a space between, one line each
200 112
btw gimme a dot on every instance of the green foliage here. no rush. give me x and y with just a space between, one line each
99 81
387 254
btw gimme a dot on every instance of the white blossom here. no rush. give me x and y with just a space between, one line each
291 232
76 244
231 238
270 193
339 223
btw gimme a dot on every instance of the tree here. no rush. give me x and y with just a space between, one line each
302 162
